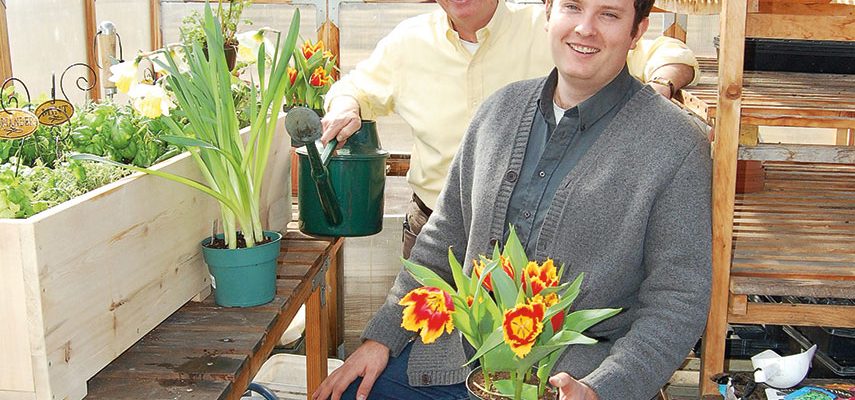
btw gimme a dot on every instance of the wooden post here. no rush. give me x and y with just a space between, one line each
674 25
725 148
91 53
5 54
316 339
335 297
154 23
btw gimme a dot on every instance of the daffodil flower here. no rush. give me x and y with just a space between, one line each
248 44
521 326
124 75
150 100
427 310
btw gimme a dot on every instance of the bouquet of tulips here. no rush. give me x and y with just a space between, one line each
311 76
516 313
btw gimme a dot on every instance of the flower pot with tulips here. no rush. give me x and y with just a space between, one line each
513 311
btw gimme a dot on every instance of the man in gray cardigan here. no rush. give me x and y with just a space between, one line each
596 171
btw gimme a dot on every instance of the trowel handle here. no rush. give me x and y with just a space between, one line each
328 151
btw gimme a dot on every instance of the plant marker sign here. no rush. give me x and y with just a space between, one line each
54 112
16 123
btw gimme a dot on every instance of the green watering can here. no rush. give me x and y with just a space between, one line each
340 193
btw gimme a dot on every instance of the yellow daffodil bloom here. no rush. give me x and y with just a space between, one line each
124 75
150 100
248 44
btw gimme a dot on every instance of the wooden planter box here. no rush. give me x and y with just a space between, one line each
81 282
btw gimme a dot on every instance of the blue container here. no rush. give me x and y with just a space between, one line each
244 277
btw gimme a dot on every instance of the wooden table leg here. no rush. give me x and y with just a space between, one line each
316 339
335 297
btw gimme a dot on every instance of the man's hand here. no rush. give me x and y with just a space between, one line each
368 361
571 389
341 121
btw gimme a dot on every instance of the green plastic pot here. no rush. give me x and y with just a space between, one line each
243 277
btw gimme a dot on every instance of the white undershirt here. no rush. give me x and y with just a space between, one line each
559 112
471 47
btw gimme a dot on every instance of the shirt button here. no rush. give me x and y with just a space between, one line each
526 214
511 176
493 241
541 174
426 379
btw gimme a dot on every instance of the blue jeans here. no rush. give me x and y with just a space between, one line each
393 384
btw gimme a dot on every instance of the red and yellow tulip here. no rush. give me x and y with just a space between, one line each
541 276
310 49
319 78
550 300
521 326
478 268
427 310
292 75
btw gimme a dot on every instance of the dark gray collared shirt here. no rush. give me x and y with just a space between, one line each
553 151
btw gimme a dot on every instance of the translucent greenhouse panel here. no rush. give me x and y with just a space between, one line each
362 26
46 36
276 16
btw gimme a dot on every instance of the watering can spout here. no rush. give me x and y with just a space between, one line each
304 126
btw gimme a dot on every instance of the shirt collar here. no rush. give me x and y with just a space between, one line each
592 109
499 20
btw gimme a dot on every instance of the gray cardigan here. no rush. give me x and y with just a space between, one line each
633 215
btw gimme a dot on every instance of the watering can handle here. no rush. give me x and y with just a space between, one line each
329 149
323 184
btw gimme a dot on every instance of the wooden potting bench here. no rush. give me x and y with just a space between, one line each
208 352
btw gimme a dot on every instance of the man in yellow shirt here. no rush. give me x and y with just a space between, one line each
434 70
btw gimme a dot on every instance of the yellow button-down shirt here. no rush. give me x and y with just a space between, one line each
423 73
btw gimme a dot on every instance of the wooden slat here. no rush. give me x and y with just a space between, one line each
803 153
796 314
154 24
790 287
5 54
90 29
801 27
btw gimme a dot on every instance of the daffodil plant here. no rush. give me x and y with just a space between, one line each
232 166
515 312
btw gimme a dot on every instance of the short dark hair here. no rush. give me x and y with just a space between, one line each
642 11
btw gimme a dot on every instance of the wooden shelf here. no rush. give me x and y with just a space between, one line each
779 98
798 234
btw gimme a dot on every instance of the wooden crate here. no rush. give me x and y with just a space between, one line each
82 282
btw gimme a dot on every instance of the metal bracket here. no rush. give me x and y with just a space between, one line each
320 280
668 19
322 6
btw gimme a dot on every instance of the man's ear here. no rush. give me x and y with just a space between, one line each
639 33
